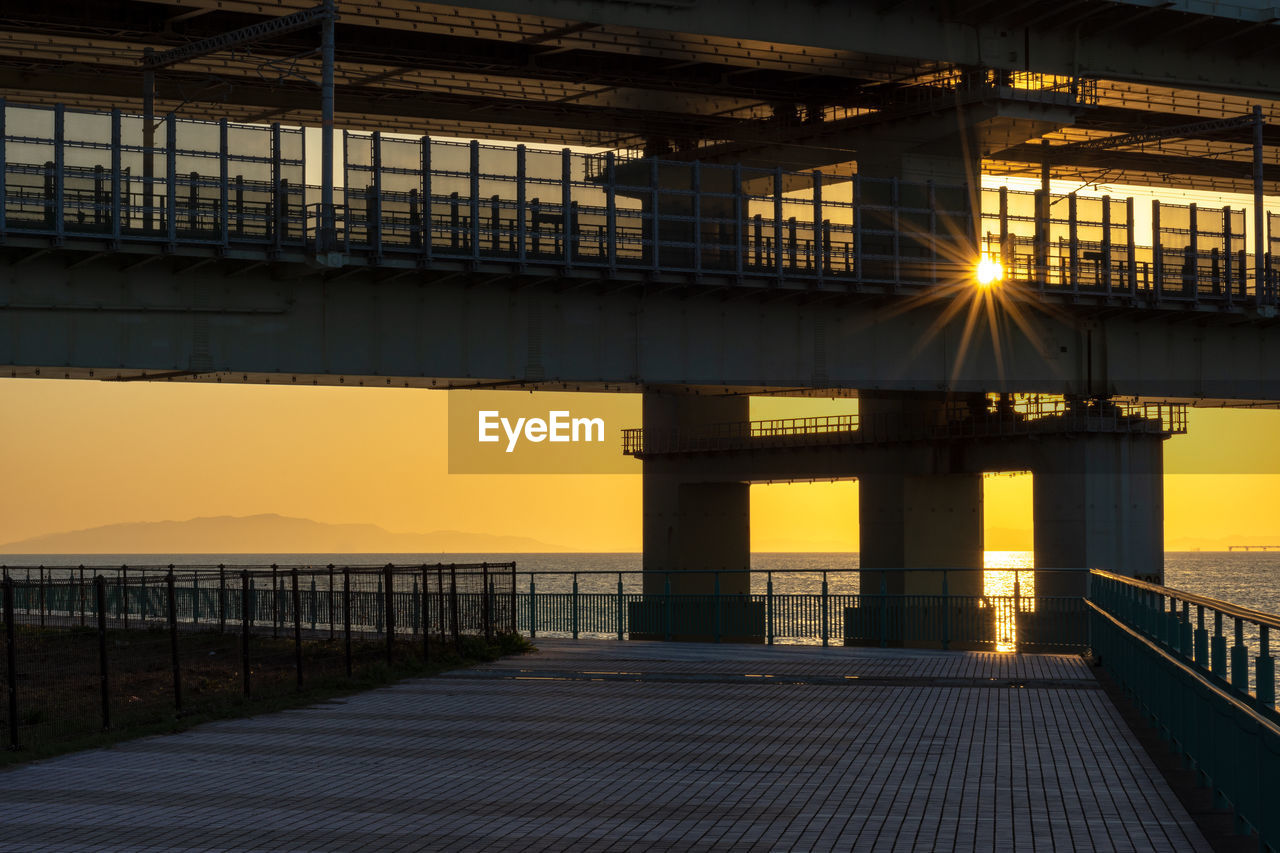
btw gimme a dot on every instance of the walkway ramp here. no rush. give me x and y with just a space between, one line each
598 745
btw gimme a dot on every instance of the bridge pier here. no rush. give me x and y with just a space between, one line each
919 507
690 522
1098 504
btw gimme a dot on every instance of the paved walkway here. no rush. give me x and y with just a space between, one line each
600 745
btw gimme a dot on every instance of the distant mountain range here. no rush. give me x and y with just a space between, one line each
266 534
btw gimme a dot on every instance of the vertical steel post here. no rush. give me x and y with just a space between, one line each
390 603
327 237
426 619
514 626
1131 247
332 615
619 605
171 596
246 621
1239 659
695 181
574 617
279 206
826 627
1259 230
222 599
59 172
427 229
80 589
224 185
11 661
373 211
739 221
1073 243
115 177
171 179
567 225
611 209
1157 252
148 143
104 671
1226 254
819 246
4 159
453 607
522 214
717 602
946 612
666 594
486 611
1218 648
777 223
533 607
768 608
654 220
346 618
1265 669
297 626
884 610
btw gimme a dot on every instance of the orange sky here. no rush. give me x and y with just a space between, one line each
81 454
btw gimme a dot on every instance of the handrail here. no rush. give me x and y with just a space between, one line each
1235 702
1225 607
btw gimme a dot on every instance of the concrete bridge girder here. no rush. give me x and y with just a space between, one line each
291 321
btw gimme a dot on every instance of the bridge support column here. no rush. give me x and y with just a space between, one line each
697 534
690 523
917 509
1098 504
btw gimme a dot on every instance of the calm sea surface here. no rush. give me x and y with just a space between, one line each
1251 579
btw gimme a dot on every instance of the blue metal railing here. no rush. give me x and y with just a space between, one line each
1168 650
73 176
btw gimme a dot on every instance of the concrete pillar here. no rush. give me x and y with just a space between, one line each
1098 504
690 523
918 510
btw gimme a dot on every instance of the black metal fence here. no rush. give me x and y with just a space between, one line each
90 649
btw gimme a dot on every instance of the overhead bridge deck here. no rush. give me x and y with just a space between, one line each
238 193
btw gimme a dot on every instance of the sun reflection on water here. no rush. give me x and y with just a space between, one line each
1000 586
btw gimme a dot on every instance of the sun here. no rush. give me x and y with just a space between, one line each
988 272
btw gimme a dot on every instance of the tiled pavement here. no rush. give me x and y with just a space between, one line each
599 745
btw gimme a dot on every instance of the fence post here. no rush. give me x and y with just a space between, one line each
884 610
515 628
80 589
486 613
346 616
715 578
619 605
768 608
11 661
104 672
332 627
533 608
453 607
195 599
246 620
1265 670
313 607
575 606
946 612
666 595
297 625
171 596
222 599
426 619
390 602
275 600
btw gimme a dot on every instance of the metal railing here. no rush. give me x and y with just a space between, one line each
835 608
1026 416
158 639
88 179
1215 705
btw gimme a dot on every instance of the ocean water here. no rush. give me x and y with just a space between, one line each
1251 579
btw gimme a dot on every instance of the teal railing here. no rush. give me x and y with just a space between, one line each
803 606
1214 704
